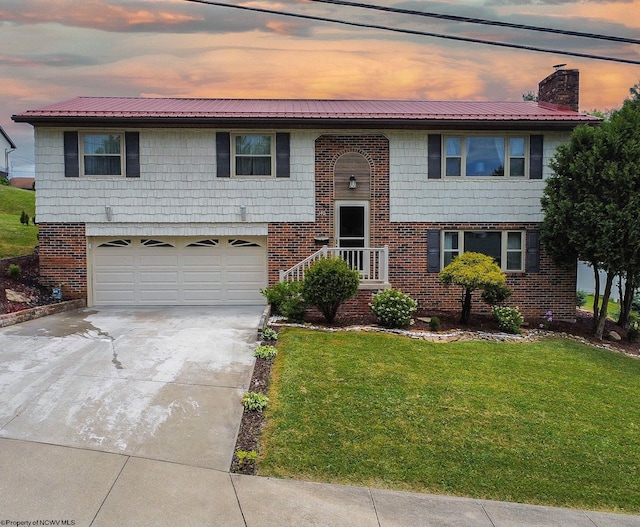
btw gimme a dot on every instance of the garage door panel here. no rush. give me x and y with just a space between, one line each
201 277
115 296
224 272
159 277
159 260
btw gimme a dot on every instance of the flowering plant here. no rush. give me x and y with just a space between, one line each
546 320
393 308
509 319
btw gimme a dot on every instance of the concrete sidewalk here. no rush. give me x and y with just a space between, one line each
43 484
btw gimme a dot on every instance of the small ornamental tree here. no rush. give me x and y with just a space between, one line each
472 271
328 283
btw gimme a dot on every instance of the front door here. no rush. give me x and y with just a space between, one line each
352 231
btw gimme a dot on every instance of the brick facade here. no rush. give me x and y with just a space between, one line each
289 243
63 258
562 87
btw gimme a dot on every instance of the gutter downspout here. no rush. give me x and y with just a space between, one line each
6 159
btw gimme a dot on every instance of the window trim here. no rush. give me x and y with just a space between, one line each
272 155
507 155
503 246
122 155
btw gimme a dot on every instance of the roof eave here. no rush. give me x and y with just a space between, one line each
307 122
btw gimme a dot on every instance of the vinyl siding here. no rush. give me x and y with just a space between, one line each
177 184
415 198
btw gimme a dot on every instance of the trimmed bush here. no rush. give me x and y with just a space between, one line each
509 319
328 283
13 271
495 294
286 299
393 308
434 324
581 298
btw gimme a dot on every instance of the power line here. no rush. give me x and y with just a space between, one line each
482 21
419 33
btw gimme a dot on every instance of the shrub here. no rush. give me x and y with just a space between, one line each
4 181
254 401
509 319
24 218
495 294
434 324
13 271
265 352
286 299
472 271
393 308
581 298
269 334
328 283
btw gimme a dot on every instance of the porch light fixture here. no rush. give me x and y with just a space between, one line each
352 182
108 212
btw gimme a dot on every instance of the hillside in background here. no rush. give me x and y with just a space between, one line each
17 239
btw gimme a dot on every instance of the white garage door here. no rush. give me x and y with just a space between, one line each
178 271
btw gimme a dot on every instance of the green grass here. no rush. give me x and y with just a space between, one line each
613 308
16 239
552 422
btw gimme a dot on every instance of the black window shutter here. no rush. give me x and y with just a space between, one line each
283 168
434 146
132 149
533 252
433 251
535 157
71 160
223 154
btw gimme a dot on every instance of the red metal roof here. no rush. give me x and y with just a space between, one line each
299 109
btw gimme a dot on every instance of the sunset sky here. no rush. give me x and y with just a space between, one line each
52 50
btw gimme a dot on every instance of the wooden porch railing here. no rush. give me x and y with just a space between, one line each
373 263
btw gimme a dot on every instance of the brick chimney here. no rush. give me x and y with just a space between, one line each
562 88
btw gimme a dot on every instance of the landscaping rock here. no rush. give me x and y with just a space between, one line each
15 296
614 336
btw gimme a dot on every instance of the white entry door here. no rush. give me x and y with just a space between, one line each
352 231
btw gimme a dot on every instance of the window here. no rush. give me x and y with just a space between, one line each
505 247
253 155
485 156
102 154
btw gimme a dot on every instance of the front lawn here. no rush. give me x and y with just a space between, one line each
552 422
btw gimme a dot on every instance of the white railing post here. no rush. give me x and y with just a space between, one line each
373 263
384 265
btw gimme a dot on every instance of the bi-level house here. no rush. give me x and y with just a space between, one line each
152 201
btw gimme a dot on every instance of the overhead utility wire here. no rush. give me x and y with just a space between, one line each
482 21
415 32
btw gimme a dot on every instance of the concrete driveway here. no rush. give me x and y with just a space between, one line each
157 383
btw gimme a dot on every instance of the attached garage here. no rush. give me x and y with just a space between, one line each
178 270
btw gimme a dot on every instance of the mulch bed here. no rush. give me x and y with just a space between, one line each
252 422
27 283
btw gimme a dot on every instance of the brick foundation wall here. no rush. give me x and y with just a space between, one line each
63 258
289 243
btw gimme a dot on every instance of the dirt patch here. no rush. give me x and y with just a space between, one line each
26 284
